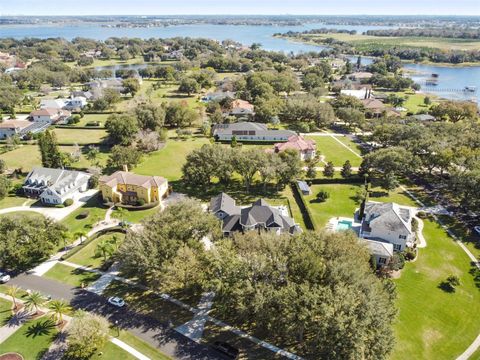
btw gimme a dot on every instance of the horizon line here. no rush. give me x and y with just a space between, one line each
246 14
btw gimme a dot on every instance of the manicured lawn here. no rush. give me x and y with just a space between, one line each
112 352
140 345
87 255
25 157
22 213
342 201
138 215
92 117
32 339
5 312
336 152
13 201
82 162
80 136
74 222
432 323
168 161
71 276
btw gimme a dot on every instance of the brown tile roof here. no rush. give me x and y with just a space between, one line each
373 104
242 104
44 112
296 142
13 124
128 178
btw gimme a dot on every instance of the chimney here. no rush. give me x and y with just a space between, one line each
125 168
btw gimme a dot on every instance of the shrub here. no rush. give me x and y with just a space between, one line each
323 195
414 225
93 182
410 254
397 262
68 202
453 280
83 214
93 123
422 214
141 202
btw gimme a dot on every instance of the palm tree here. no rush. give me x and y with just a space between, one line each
58 308
12 291
114 241
105 248
34 300
80 235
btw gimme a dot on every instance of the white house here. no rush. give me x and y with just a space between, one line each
53 103
363 93
54 186
50 115
381 251
249 131
388 222
77 102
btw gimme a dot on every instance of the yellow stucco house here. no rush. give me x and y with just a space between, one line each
129 188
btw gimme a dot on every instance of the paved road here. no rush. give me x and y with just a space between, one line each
146 328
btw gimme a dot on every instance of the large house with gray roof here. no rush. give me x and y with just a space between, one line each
259 216
54 186
387 222
249 132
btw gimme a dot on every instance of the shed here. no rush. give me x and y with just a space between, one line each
304 188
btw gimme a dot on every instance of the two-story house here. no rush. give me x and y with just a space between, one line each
248 132
388 222
129 188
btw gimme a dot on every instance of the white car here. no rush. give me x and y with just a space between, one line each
4 278
116 301
477 229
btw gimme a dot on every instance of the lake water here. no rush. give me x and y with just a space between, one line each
450 81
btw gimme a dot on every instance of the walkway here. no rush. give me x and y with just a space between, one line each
194 328
54 213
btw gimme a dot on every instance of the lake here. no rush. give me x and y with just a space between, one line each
450 78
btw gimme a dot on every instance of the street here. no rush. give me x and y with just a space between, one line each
146 328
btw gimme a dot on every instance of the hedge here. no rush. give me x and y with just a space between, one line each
307 216
116 229
138 207
73 127
350 180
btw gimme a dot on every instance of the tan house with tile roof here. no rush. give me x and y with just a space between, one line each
129 188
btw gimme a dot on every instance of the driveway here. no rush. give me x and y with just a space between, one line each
56 214
153 332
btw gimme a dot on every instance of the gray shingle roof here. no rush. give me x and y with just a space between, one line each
259 129
380 248
225 203
392 216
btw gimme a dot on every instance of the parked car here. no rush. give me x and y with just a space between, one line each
226 349
477 229
116 301
4 278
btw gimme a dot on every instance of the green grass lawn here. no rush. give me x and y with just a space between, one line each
92 117
140 345
168 161
13 201
112 352
71 276
74 222
25 157
5 312
80 136
434 324
136 216
32 339
87 255
336 152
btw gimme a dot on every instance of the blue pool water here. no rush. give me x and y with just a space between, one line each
343 225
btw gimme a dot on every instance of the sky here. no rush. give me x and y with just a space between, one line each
232 7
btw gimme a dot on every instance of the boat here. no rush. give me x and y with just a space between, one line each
470 88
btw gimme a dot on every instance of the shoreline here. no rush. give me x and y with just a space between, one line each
426 63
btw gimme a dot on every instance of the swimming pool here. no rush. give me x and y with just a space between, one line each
343 225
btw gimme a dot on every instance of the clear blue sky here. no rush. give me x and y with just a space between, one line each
167 7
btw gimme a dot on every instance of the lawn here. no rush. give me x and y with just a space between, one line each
112 352
432 323
87 255
5 312
13 201
25 157
92 117
342 201
75 222
168 161
334 151
71 276
80 136
141 346
32 339
136 216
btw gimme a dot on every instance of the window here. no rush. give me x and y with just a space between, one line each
382 260
397 247
403 237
